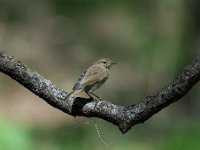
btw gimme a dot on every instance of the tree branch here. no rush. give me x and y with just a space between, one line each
122 116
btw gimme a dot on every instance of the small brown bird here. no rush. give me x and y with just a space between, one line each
92 78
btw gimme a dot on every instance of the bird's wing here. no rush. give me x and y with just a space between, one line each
92 75
78 85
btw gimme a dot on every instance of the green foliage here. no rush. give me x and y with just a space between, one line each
13 136
182 137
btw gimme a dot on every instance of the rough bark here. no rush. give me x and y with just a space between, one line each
122 116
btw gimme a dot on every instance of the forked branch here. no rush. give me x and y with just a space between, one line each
122 116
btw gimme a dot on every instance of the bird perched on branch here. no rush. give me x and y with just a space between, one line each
92 78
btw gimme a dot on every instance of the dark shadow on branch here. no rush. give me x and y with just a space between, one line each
78 105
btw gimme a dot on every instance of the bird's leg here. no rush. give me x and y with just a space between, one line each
88 93
99 98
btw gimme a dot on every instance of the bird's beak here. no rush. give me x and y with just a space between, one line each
113 63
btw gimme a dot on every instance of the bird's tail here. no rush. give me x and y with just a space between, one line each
72 94
69 95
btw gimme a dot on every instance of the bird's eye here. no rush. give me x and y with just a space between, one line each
104 62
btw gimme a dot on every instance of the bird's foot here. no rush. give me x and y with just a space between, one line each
100 99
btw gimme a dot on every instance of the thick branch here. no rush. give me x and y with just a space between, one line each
122 116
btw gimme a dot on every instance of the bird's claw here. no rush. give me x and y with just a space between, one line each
100 99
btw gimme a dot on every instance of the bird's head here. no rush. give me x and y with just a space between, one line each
107 63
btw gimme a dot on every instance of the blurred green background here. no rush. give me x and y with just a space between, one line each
151 40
